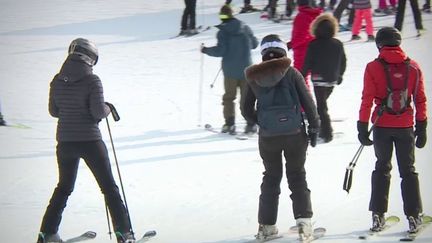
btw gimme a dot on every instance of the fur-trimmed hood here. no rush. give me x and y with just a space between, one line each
268 73
324 26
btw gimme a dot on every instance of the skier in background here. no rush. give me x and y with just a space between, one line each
275 70
188 23
235 40
300 36
76 99
393 131
363 11
326 60
416 13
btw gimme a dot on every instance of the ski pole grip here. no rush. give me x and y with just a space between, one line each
114 112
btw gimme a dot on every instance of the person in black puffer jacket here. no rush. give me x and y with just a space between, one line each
326 60
76 99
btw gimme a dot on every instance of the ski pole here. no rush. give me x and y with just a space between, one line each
350 169
201 81
108 221
114 111
212 84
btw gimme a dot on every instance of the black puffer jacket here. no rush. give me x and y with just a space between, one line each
269 74
76 99
325 56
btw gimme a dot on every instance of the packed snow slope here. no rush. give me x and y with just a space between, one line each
188 184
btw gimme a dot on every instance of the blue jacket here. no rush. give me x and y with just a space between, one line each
234 43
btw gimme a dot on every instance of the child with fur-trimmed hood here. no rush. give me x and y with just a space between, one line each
326 61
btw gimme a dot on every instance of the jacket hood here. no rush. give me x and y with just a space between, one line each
324 26
392 54
232 26
74 69
268 73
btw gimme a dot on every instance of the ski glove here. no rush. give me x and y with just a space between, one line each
363 133
114 113
420 133
313 135
289 45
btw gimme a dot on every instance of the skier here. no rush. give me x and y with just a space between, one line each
2 121
400 13
393 129
188 24
363 10
76 99
325 72
235 40
275 72
337 13
300 36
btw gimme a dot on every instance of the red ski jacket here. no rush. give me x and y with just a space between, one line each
375 90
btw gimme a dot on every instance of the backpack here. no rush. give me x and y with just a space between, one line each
278 109
397 74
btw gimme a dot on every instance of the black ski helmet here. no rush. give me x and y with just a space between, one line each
388 36
272 45
85 49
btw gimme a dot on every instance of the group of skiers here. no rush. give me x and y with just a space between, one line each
393 82
274 96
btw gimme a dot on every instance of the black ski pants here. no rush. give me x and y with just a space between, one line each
402 139
188 18
401 13
95 155
337 13
321 96
293 148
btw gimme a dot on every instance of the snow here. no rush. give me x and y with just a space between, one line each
188 184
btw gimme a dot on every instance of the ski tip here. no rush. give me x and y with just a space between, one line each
207 126
150 233
90 234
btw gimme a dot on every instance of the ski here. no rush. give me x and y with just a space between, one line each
210 128
147 236
427 220
389 222
200 29
17 125
89 235
316 234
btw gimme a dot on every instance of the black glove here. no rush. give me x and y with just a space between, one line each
313 135
114 113
203 49
363 133
289 45
339 81
420 133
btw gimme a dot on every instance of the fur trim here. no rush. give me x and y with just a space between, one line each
324 17
268 73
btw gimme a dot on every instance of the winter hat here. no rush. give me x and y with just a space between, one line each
388 36
225 12
273 46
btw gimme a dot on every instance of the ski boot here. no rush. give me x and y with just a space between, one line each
49 238
371 38
266 231
413 223
378 222
304 228
250 129
355 37
127 237
230 129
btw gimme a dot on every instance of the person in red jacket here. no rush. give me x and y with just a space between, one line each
393 130
301 36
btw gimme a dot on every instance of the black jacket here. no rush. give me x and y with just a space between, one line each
76 99
270 73
325 56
